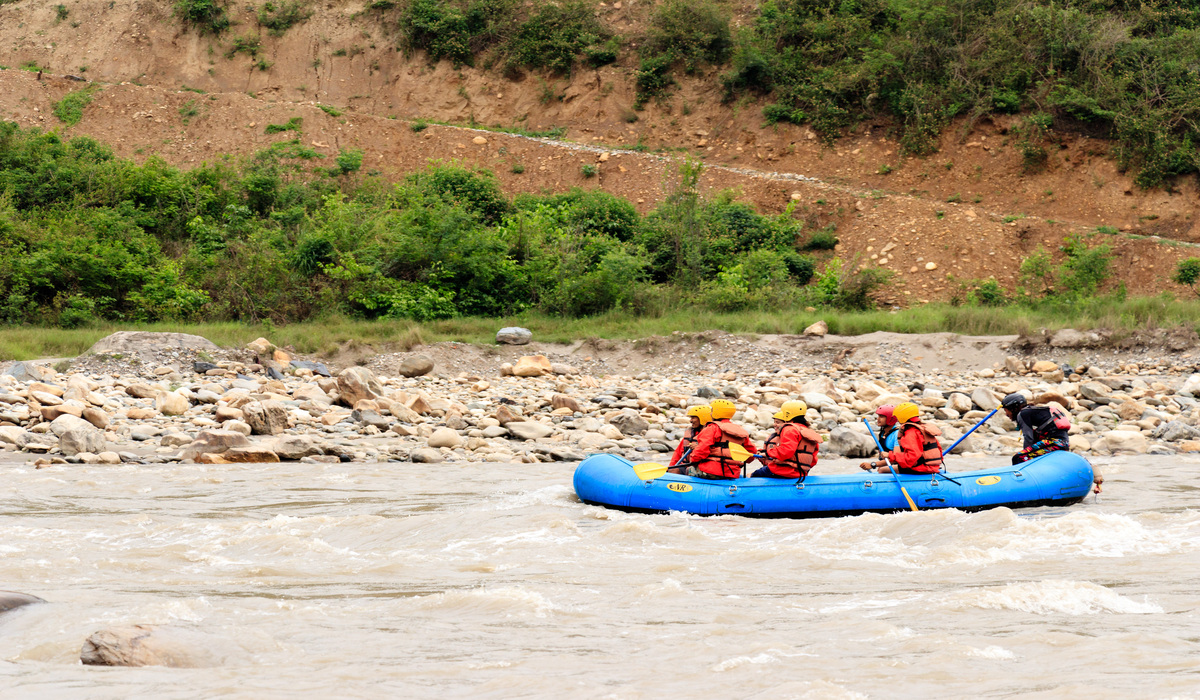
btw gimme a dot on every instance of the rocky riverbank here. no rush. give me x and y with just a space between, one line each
154 398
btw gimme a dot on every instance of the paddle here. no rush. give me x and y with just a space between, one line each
964 436
888 462
649 471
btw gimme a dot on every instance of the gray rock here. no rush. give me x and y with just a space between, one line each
59 426
265 417
707 392
203 367
959 402
529 430
426 455
1071 338
630 423
175 440
1093 391
416 366
11 600
567 454
146 344
294 447
495 431
24 372
850 443
317 368
370 418
1191 386
1175 431
213 442
514 335
150 645
78 439
985 399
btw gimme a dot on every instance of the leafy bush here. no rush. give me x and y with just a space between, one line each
1085 268
988 293
278 17
823 239
693 32
556 35
69 109
1187 273
208 16
349 161
292 124
456 32
475 190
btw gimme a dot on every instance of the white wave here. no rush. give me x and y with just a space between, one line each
668 588
1055 597
559 494
737 661
992 652
511 601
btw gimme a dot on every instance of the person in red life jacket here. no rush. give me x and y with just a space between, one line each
792 449
917 450
888 430
711 458
699 416
1044 428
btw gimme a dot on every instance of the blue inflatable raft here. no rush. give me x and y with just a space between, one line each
1054 479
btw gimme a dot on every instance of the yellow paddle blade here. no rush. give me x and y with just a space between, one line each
649 471
739 453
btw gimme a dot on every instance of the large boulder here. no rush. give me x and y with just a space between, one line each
24 372
416 366
628 422
356 384
146 344
959 401
151 645
265 417
532 366
818 329
985 399
526 430
513 335
1125 442
1191 386
76 435
1175 431
247 454
1094 391
850 443
170 403
818 401
214 442
1071 338
294 447
445 437
558 401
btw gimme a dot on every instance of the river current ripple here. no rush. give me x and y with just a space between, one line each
388 580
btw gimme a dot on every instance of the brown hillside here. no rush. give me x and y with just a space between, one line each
889 209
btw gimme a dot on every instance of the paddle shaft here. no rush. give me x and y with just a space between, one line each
888 462
964 436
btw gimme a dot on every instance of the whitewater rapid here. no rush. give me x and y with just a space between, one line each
390 580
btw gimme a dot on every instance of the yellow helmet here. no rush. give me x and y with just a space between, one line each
704 413
905 412
791 409
723 408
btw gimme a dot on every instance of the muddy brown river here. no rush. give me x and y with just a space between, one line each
389 581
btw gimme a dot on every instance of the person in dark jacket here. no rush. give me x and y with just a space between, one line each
1040 427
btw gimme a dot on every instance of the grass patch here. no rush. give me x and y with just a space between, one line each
69 109
331 111
293 124
278 17
326 337
207 16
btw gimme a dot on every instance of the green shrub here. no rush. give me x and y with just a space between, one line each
475 190
556 35
69 110
247 43
1084 268
988 293
1187 273
823 239
693 32
588 170
278 17
653 79
208 16
293 124
456 32
333 111
349 161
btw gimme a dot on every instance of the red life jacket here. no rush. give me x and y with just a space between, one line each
720 461
930 461
799 464
689 439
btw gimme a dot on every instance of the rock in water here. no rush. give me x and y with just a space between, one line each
426 455
11 600
150 645
265 417
214 442
416 366
514 336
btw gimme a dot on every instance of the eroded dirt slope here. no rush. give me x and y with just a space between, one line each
891 210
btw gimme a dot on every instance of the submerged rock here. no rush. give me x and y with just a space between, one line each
150 645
